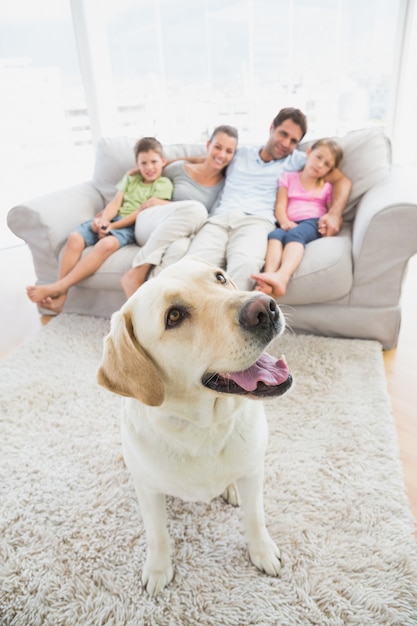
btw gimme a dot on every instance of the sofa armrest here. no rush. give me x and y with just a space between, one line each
384 239
45 222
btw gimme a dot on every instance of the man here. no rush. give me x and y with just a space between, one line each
235 235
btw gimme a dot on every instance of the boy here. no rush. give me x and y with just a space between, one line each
111 229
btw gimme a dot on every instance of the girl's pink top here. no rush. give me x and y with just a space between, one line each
302 203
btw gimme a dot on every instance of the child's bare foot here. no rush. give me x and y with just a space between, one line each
264 287
36 293
53 304
271 283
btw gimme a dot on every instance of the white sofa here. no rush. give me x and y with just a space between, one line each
346 286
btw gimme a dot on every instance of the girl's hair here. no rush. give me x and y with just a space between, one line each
334 148
227 130
146 144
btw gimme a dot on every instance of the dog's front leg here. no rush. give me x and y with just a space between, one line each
263 551
157 571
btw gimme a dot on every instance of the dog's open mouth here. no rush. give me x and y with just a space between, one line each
267 377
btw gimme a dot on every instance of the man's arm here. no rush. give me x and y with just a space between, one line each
331 223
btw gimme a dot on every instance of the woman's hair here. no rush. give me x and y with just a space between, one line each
227 130
146 144
334 148
295 115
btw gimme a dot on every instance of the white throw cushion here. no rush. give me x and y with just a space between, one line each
325 273
366 161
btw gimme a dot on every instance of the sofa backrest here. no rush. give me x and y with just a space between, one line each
366 161
115 156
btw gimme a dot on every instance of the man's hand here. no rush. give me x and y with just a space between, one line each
329 225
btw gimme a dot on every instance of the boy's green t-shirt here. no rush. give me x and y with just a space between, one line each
136 191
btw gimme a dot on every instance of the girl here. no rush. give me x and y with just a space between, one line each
302 199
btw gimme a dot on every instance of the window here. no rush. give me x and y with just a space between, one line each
43 116
72 70
179 67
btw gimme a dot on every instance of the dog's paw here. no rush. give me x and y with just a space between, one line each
266 556
231 495
154 578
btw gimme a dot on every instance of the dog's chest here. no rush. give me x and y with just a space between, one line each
191 462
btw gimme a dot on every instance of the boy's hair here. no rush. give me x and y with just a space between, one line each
295 115
146 144
227 130
334 148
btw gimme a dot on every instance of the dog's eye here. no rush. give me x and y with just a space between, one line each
221 278
174 317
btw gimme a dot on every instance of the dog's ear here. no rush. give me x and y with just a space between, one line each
125 367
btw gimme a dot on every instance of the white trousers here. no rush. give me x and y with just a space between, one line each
163 232
236 242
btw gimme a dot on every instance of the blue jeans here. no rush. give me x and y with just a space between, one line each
305 231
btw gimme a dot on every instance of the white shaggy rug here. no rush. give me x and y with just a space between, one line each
71 538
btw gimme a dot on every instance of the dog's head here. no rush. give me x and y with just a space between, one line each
190 330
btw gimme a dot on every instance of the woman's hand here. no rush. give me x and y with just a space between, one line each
152 202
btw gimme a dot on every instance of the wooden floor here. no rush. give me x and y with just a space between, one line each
19 320
401 371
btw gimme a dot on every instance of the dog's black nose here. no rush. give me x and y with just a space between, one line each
260 312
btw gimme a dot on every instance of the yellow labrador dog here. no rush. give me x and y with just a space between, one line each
187 351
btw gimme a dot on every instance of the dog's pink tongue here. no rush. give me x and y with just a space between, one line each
266 369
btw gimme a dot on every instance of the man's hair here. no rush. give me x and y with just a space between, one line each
146 144
231 131
295 115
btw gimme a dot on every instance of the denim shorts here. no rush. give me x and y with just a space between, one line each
124 236
304 232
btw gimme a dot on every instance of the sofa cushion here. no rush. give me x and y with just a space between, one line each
325 273
107 277
366 161
114 157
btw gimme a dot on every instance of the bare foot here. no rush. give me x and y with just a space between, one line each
53 304
264 287
36 293
271 283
